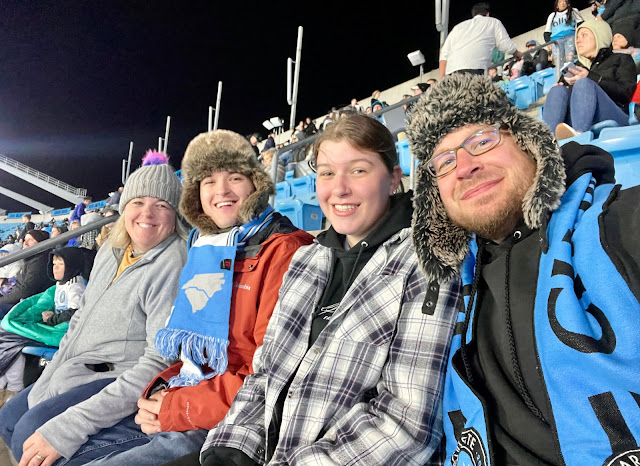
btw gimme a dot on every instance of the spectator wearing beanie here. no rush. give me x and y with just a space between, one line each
108 356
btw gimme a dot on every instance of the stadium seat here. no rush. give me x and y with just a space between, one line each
523 91
288 176
582 138
304 184
43 352
625 148
283 190
305 216
619 132
404 156
545 78
632 116
308 198
598 127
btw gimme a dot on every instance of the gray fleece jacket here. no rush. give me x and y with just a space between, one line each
117 324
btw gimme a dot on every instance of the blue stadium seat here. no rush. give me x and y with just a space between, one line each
582 138
545 78
632 116
305 216
289 175
625 148
308 198
304 184
404 156
601 125
619 132
523 91
283 190
43 352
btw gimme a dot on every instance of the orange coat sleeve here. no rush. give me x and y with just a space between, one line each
204 405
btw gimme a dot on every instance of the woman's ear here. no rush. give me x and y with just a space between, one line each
396 179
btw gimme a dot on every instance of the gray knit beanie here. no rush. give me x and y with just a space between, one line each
155 178
456 101
221 150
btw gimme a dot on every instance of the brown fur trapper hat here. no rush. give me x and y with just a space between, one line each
459 100
221 150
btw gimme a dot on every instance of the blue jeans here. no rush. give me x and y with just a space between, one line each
18 422
581 106
114 446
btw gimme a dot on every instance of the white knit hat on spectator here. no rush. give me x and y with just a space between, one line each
155 178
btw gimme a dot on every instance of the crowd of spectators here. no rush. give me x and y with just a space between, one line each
333 351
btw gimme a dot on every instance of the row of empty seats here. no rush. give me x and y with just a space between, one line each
296 199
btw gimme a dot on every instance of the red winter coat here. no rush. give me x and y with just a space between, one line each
256 282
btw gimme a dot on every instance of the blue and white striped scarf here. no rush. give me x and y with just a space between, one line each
198 329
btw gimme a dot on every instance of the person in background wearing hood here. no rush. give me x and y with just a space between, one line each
351 369
598 88
8 272
626 36
42 319
543 367
107 356
32 278
240 250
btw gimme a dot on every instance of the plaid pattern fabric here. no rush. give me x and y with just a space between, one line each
369 390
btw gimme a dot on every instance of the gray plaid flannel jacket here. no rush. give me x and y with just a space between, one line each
369 390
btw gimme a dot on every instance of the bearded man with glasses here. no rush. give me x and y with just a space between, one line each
543 364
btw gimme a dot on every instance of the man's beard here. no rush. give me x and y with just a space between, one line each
502 216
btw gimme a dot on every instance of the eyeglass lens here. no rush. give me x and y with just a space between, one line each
476 144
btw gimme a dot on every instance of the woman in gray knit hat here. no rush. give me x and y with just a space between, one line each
108 357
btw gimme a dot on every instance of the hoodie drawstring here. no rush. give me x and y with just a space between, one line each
517 373
363 245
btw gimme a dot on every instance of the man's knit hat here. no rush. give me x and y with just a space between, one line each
38 235
221 150
456 101
155 178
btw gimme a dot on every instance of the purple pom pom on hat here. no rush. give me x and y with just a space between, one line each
155 178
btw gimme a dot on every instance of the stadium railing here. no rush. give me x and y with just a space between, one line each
60 239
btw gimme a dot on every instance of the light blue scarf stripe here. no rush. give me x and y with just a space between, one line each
200 333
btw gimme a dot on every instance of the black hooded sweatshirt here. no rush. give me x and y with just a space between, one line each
347 264
503 352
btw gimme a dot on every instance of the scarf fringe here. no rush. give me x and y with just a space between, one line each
199 349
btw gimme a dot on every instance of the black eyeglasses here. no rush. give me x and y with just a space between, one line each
477 144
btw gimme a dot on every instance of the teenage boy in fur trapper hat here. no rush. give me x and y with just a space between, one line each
543 365
239 251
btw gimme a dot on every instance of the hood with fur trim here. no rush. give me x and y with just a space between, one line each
221 150
459 100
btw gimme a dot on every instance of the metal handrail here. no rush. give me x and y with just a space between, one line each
80 192
60 239
558 65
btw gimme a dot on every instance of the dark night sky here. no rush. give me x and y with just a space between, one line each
79 79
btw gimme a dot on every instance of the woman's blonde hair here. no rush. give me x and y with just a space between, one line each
119 236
